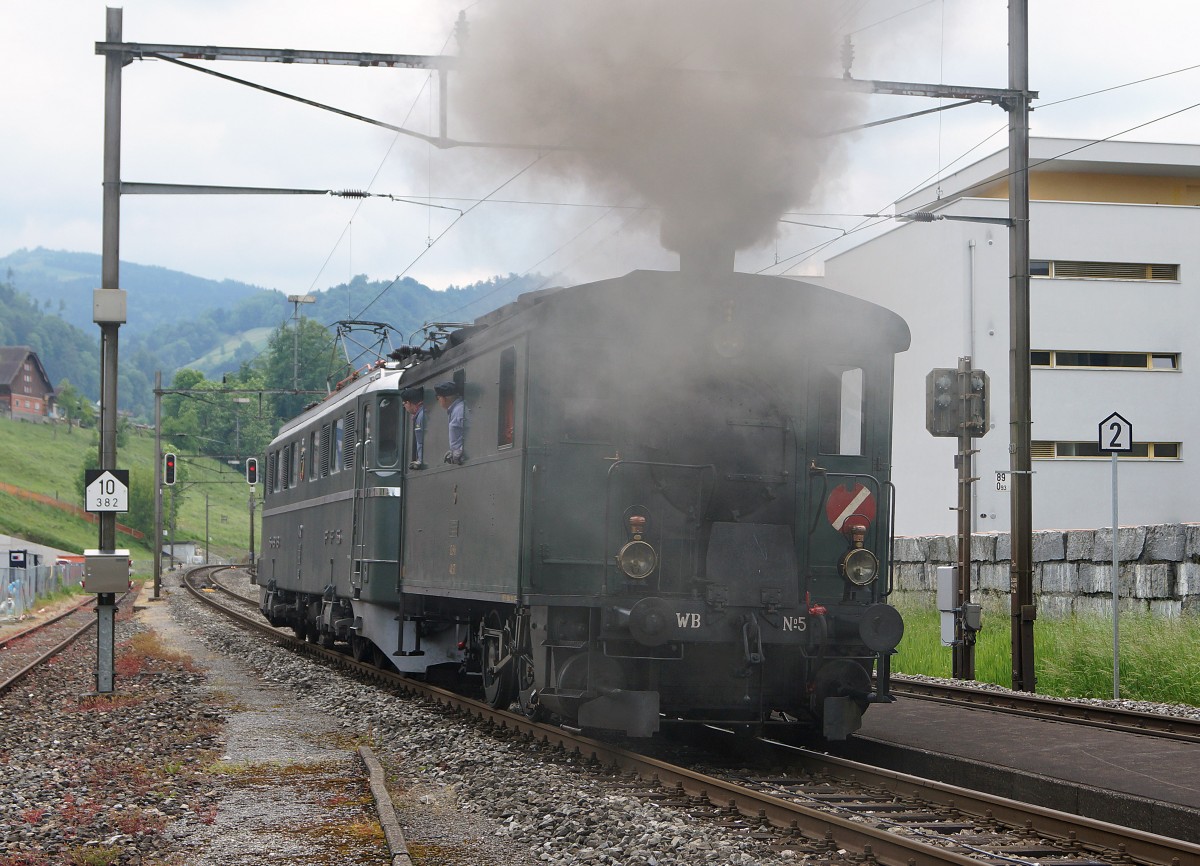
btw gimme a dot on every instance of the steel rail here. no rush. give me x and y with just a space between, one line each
10 681
885 846
1142 846
1050 709
5 641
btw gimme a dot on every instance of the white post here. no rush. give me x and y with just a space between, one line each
1115 587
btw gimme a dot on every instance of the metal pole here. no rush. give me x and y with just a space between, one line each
1115 588
252 534
1022 609
206 536
963 656
296 346
110 266
173 513
158 480
106 606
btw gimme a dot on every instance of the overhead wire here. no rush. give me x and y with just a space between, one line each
444 231
807 253
869 220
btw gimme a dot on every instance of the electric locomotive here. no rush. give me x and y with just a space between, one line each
673 506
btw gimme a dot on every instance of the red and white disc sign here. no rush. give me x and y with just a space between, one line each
847 502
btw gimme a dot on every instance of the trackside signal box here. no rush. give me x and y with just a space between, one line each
106 572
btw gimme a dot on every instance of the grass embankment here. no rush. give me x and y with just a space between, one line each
1160 657
48 459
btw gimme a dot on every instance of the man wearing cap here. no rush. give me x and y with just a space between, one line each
414 403
451 400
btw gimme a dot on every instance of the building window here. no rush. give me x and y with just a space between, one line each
1059 358
1042 450
1064 270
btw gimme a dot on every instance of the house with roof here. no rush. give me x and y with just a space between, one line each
26 393
1114 302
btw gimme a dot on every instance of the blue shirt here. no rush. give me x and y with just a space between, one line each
456 415
419 435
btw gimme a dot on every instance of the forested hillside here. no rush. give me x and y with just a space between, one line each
75 353
178 321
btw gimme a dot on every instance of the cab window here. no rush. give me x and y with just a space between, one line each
387 449
842 415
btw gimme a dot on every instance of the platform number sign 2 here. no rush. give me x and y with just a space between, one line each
1116 434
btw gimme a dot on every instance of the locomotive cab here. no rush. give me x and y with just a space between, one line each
721 498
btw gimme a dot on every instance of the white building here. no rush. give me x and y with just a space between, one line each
1115 315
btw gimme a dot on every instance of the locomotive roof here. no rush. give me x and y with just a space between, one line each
378 377
886 327
879 319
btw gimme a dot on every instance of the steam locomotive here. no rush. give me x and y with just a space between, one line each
672 506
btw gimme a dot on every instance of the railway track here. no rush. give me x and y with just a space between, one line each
1050 709
24 651
820 805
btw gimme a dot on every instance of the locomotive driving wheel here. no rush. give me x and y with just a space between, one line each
497 659
526 690
527 693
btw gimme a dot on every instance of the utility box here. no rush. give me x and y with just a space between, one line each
108 306
947 596
106 571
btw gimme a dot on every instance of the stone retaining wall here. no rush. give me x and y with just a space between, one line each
1159 568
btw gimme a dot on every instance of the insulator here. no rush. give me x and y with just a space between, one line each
353 193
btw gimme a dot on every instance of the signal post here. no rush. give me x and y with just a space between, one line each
956 404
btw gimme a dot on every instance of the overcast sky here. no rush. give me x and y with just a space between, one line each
180 126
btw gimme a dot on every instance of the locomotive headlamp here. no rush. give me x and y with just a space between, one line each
859 565
637 557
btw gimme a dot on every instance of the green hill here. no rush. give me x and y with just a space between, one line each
178 321
49 459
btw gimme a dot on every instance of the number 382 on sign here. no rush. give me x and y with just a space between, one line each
106 490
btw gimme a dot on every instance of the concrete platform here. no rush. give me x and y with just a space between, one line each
1128 779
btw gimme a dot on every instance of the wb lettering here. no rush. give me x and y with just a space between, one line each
687 620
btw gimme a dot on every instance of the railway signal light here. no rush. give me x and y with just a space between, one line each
169 468
957 399
941 404
251 470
